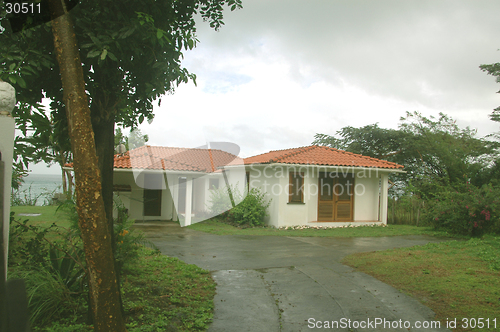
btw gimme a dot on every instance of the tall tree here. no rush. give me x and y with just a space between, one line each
131 52
90 205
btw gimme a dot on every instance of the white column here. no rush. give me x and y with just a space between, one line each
383 197
189 203
173 186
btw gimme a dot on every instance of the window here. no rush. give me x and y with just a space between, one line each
213 184
296 189
247 178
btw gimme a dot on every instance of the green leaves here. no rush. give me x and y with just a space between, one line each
93 54
103 54
21 82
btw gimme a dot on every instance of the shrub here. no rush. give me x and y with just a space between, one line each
472 211
251 210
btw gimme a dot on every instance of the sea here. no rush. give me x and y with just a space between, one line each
41 187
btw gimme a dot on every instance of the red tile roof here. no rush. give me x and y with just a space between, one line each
176 159
319 155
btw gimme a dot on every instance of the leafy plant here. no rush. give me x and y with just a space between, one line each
69 267
48 296
251 210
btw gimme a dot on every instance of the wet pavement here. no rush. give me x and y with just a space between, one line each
271 283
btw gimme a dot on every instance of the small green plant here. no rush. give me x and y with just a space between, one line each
25 197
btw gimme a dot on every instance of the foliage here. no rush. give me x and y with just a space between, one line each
134 140
53 270
251 210
49 298
494 70
473 211
156 289
127 241
405 210
26 197
131 56
18 175
436 152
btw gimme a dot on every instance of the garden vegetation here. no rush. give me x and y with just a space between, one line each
159 293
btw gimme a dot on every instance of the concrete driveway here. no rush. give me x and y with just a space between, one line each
286 284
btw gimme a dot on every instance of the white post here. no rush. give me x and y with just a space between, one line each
7 132
189 203
383 197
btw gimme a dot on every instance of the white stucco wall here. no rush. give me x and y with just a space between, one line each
274 181
366 198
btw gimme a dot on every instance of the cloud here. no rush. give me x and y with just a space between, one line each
280 71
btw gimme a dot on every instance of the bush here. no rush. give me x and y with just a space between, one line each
472 211
251 211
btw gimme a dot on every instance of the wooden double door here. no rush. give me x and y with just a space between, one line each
335 197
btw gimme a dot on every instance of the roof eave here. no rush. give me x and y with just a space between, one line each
383 169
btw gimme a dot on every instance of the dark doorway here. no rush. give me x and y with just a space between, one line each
152 202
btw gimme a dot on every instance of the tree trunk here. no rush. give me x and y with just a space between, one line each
104 131
92 220
64 186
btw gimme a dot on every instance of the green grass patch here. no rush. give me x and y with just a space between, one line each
215 227
48 215
162 293
456 279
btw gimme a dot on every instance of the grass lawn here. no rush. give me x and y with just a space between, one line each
214 227
48 215
456 279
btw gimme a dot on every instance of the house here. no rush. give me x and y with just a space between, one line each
312 185
318 185
165 183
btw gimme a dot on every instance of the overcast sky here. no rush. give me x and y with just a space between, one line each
281 71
